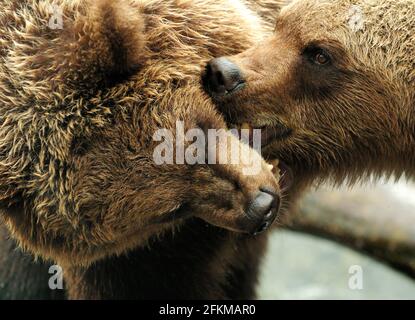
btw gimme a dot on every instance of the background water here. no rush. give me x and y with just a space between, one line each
301 266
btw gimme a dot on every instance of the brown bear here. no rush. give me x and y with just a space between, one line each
84 86
333 89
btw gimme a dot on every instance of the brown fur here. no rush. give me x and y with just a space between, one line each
78 109
346 120
268 10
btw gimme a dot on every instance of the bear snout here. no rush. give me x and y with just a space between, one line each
222 77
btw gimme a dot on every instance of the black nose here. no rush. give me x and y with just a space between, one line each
222 77
263 210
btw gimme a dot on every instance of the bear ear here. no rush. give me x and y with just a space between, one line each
107 43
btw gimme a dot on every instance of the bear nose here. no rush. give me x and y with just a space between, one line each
222 77
263 210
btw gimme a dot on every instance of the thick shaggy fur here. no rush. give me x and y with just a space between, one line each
344 120
78 110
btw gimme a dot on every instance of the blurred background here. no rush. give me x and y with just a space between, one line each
345 243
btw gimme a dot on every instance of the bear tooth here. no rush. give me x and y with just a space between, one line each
275 167
246 126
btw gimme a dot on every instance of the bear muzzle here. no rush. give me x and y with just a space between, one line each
222 77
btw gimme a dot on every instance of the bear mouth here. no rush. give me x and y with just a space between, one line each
286 176
270 135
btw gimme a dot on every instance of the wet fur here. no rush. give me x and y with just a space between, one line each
78 185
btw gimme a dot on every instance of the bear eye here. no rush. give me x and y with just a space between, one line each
321 58
317 56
